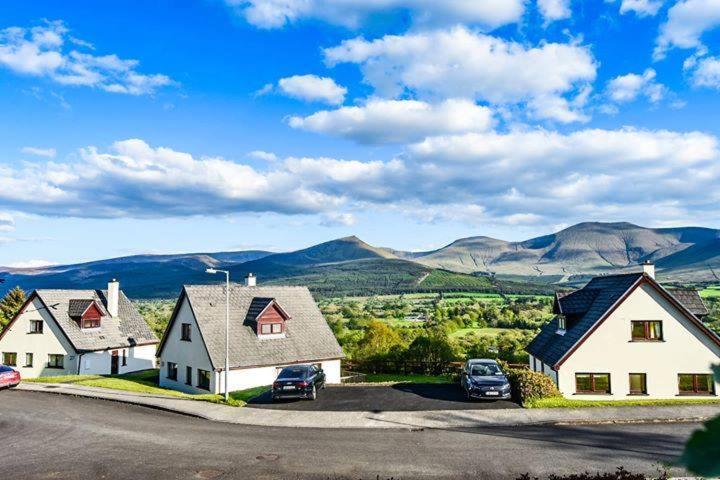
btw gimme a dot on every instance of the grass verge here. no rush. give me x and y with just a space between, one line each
147 382
561 402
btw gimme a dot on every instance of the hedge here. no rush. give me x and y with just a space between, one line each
528 385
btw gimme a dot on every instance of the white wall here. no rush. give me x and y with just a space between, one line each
51 341
99 363
685 349
245 378
185 354
537 366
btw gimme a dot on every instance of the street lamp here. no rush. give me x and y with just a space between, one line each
213 271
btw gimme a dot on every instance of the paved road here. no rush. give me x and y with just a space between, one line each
406 397
53 436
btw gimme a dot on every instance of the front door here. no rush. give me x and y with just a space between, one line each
114 363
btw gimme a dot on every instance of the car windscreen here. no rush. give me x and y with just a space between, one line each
485 370
4 369
294 372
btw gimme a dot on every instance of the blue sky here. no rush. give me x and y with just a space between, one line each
134 127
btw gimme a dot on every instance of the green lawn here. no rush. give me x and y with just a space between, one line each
560 402
397 378
712 291
146 382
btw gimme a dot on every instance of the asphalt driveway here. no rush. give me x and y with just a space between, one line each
406 397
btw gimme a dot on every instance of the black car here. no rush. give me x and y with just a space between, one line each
483 378
298 381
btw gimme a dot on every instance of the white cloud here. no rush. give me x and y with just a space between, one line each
312 88
7 222
339 220
642 8
35 263
488 14
398 121
706 73
627 88
553 10
518 177
459 63
40 152
136 180
687 21
41 52
263 155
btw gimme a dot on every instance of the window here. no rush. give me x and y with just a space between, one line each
696 384
644 331
277 328
597 383
203 379
265 328
124 361
28 359
10 359
56 361
172 371
188 375
186 332
90 323
638 384
562 322
36 326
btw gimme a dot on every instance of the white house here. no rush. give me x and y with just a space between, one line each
63 332
270 327
624 336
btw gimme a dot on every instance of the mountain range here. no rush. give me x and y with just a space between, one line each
349 266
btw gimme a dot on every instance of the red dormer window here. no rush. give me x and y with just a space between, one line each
271 320
86 312
91 318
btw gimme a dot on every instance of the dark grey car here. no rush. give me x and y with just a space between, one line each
298 381
483 378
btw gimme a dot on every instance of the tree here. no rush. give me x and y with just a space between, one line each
379 339
10 305
702 451
434 347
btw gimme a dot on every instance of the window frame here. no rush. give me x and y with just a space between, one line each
14 364
646 331
171 371
186 332
56 365
280 328
263 326
200 376
562 323
34 323
31 357
695 391
594 390
89 323
644 390
188 375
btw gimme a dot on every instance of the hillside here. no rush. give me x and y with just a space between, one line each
586 248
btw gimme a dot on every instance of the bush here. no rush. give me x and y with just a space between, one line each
528 385
619 474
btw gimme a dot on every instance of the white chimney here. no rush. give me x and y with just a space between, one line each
649 269
250 280
113 297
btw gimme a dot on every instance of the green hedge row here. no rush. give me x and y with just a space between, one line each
528 385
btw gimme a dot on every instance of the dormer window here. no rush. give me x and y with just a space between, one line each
87 313
267 317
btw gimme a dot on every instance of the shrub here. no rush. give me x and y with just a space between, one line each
619 474
528 385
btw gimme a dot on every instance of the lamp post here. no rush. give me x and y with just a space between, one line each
227 324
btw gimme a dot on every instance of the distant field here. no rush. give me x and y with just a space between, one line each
447 297
712 291
483 332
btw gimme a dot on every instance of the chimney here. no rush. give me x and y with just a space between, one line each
113 297
250 280
649 269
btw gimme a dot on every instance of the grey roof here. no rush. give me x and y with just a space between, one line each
307 335
600 294
127 329
691 299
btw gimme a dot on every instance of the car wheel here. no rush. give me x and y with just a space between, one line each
313 395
